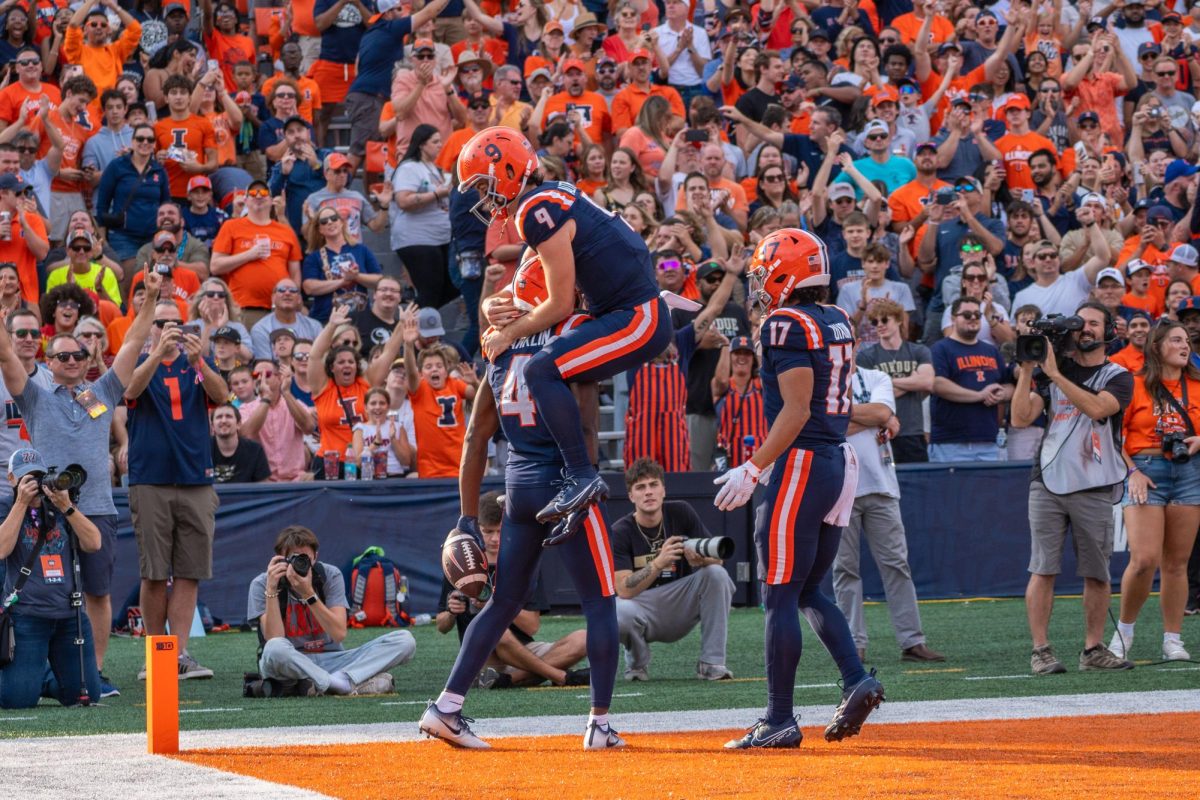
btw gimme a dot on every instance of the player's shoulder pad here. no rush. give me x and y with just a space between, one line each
792 329
543 212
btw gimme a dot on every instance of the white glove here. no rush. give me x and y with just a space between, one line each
736 486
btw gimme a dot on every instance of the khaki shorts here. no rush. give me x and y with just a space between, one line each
1090 518
539 649
174 529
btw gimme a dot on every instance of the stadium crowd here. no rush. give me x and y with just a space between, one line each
970 168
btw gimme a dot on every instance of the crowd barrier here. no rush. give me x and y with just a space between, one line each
968 533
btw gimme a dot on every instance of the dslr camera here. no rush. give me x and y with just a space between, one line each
714 546
1175 448
300 563
1054 331
69 479
945 196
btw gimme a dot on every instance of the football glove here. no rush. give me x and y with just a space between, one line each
736 486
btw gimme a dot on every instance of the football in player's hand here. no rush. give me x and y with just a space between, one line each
464 563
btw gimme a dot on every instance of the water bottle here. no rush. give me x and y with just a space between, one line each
1001 438
422 619
366 469
721 459
350 465
747 448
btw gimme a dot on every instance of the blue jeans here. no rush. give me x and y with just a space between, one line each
948 452
39 639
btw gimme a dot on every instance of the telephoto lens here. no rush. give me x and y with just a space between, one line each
711 547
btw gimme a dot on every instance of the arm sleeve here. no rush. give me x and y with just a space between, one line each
130 37
256 601
72 46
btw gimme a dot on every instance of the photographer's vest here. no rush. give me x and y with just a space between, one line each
1079 453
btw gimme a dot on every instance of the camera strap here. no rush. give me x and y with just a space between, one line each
1182 409
26 568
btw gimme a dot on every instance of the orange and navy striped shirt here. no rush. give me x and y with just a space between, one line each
740 416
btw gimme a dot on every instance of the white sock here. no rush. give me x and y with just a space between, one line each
449 702
1126 630
599 719
1172 637
340 683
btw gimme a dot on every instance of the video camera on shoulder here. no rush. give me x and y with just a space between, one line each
1053 330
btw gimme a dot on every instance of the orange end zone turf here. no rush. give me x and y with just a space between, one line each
1143 756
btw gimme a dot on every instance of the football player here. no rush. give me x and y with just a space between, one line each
807 361
581 244
534 462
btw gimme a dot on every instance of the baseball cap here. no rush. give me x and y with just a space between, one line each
294 118
279 333
986 13
1136 265
12 183
793 83
706 269
741 343
1094 199
819 33
480 100
384 6
1089 116
573 63
1170 16
1148 47
1184 254
875 126
423 44
80 233
1179 169
24 461
429 321
839 190
642 52
336 161
552 25
1110 272
946 47
1139 313
199 182
1143 203
1159 212
540 71
1095 23
1015 101
258 182
1188 304
886 94
930 145
227 333
162 237
169 7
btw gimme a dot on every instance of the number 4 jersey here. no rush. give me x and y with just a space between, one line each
612 264
532 450
820 338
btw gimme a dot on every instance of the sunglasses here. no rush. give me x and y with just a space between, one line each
144 139
966 187
1050 90
28 62
97 24
67 304
263 374
162 323
424 57
972 248
1045 256
977 97
89 335
878 320
969 314
607 68
877 137
1088 126
80 249
27 149
1147 56
287 290
906 89
1165 74
165 248
469 70
671 264
258 192
78 357
300 356
327 220
285 95
714 278
513 81
974 279
844 200
214 295
26 333
772 179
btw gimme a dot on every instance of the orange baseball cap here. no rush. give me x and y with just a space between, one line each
573 63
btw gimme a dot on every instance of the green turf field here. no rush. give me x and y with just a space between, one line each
986 643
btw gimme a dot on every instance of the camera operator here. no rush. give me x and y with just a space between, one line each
1162 506
1077 477
44 619
300 604
664 587
69 422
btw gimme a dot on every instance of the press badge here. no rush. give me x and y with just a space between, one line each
87 398
52 569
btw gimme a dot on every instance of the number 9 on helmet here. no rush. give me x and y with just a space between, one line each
784 261
497 163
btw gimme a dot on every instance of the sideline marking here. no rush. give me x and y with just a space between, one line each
934 671
626 694
996 677
405 703
207 710
15 719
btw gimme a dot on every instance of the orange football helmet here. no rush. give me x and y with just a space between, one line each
497 162
529 282
784 261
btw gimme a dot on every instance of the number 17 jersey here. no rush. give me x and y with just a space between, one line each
532 450
820 338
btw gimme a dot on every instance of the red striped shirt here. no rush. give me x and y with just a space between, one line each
655 425
740 414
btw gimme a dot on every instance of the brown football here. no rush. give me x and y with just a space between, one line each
464 563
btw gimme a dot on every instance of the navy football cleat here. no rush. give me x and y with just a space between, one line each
450 728
573 497
764 734
857 704
567 527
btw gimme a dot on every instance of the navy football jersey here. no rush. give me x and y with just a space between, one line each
168 428
612 264
818 337
531 447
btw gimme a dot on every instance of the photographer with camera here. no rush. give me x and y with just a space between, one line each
1078 472
69 422
44 607
669 576
300 604
1162 504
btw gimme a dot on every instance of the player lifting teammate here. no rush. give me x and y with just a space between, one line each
581 244
534 462
806 368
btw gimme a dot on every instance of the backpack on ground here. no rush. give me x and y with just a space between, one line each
377 592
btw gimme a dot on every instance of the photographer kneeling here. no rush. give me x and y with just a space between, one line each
1078 473
300 604
664 585
46 622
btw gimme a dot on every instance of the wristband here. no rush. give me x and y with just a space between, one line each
1132 470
